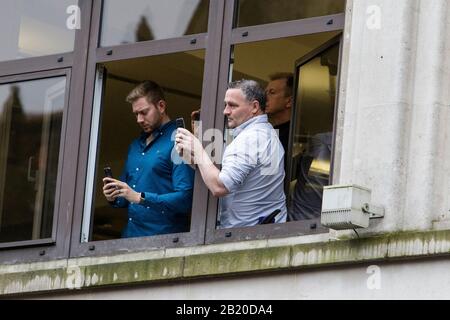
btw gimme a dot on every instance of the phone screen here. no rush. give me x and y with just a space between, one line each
180 123
108 172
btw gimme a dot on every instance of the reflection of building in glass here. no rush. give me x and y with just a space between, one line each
313 172
28 162
255 12
199 19
143 30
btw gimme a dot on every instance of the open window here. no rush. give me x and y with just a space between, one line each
114 127
178 48
312 134
266 38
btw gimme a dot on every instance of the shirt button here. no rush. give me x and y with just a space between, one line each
162 211
130 219
134 186
143 153
148 207
137 169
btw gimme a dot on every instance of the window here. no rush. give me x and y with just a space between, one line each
256 12
311 115
309 160
42 71
180 75
192 49
276 41
183 60
143 20
30 126
34 28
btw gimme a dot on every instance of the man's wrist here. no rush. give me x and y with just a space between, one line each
141 198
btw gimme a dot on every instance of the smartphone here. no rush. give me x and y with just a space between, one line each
108 172
180 123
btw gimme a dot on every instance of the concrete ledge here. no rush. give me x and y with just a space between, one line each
216 260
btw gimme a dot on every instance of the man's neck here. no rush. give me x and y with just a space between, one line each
151 135
279 118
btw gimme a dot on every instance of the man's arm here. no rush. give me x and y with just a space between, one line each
193 152
210 175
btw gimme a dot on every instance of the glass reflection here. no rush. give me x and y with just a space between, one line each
145 20
256 12
30 128
313 135
35 28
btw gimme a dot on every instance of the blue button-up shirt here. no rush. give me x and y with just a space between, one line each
167 182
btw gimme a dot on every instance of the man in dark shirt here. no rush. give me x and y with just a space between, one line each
155 186
306 197
279 105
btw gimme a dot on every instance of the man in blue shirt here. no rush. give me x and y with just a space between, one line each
155 186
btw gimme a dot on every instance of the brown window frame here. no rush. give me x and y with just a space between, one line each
72 66
232 36
210 42
80 66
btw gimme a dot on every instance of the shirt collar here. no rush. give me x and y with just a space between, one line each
258 119
156 133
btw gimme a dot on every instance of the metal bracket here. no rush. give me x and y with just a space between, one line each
374 212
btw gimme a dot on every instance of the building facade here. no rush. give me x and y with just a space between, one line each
372 74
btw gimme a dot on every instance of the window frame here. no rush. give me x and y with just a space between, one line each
73 66
57 225
81 65
210 42
231 37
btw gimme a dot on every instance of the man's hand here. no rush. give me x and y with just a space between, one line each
190 145
113 188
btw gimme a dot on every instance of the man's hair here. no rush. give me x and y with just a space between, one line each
148 89
252 91
289 77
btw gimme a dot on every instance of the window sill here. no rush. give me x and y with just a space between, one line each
218 260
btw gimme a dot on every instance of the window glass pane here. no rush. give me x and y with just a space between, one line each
35 28
255 12
30 130
167 185
151 20
313 134
275 71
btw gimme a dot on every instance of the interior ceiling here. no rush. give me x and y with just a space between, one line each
179 70
256 60
260 59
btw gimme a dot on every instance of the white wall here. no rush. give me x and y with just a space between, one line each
413 280
394 110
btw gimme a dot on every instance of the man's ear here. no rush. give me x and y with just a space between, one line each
161 106
290 102
256 107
